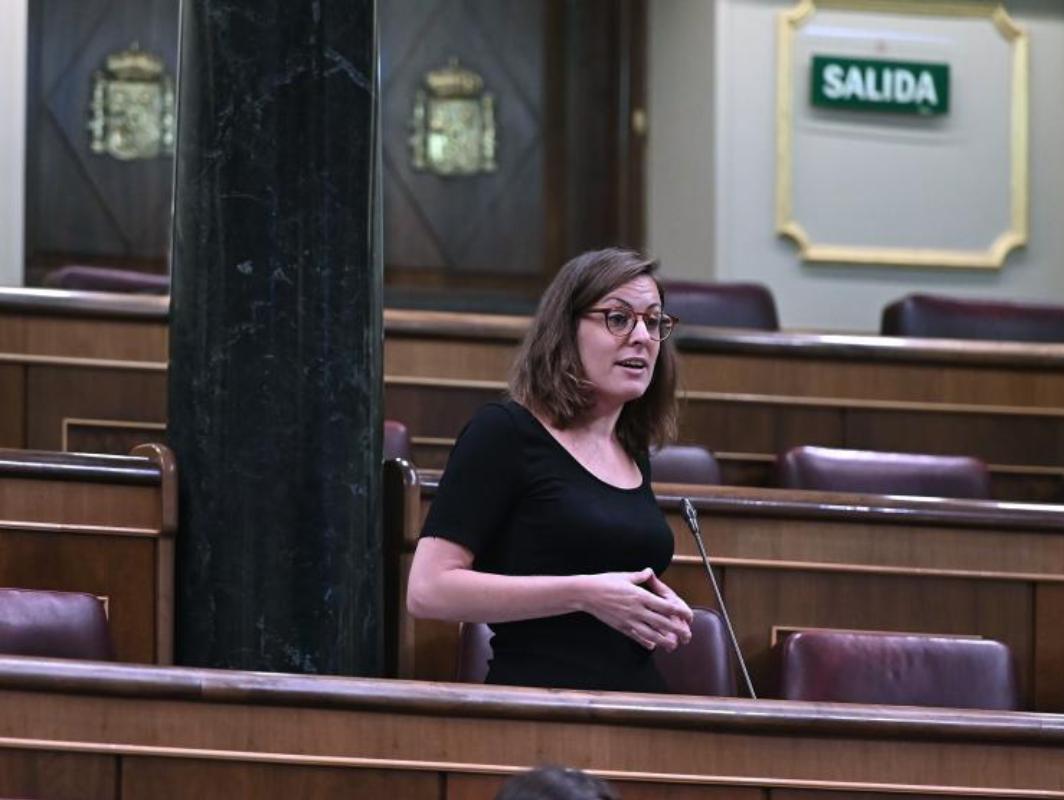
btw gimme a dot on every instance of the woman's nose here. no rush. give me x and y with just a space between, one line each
640 332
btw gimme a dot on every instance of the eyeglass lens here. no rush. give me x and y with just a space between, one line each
621 322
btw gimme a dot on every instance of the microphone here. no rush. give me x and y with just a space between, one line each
690 516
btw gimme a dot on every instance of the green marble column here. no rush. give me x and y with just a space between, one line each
276 343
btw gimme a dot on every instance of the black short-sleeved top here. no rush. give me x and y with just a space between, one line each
523 505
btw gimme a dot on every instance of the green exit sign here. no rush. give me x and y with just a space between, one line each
865 84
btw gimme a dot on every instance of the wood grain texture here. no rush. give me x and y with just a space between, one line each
12 405
58 776
57 393
173 779
273 734
98 525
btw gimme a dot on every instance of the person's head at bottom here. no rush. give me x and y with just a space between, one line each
556 783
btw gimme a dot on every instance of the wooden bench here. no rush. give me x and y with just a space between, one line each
87 372
116 732
804 560
749 395
98 524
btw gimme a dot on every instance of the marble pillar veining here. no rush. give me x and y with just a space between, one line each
276 343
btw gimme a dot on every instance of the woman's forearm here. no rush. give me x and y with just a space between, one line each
466 595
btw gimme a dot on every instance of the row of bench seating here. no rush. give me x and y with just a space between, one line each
830 469
731 305
825 469
872 667
751 305
819 665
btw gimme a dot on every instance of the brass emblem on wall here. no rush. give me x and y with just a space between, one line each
453 124
132 108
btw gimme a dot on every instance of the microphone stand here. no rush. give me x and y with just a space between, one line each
691 518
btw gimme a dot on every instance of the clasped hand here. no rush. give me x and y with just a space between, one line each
642 607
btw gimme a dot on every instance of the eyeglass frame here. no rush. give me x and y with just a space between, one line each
636 316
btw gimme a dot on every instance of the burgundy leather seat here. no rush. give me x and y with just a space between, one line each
396 440
830 469
725 305
953 318
107 279
897 669
676 463
53 624
703 666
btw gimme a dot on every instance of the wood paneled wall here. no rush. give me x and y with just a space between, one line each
822 560
85 730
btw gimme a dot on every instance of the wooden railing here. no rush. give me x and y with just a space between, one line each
87 730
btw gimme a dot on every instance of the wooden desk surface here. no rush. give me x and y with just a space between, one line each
130 732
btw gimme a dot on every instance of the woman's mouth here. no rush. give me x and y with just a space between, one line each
633 363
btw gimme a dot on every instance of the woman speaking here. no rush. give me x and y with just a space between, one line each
544 524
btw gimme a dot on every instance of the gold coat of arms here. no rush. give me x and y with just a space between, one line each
453 124
132 108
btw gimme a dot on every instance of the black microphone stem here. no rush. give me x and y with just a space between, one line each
691 518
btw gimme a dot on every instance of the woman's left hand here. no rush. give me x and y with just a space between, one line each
661 589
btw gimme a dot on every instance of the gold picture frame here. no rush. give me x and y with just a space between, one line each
789 22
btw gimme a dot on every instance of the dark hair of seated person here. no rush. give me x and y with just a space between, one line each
556 783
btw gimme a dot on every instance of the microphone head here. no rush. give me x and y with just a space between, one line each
690 516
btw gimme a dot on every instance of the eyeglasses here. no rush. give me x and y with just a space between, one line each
621 321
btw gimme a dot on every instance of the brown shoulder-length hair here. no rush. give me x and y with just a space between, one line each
548 376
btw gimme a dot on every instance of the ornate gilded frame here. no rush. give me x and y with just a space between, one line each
1016 235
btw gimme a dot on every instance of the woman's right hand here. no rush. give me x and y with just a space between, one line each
653 619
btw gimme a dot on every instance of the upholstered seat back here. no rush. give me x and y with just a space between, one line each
955 318
897 669
725 305
868 472
107 279
703 666
396 440
53 624
677 463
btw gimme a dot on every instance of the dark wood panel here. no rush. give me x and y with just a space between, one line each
121 569
58 393
753 427
996 438
12 405
760 599
95 436
81 206
58 776
484 787
166 779
311 731
483 223
565 78
1049 646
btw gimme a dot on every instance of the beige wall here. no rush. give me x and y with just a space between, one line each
12 138
742 174
680 156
